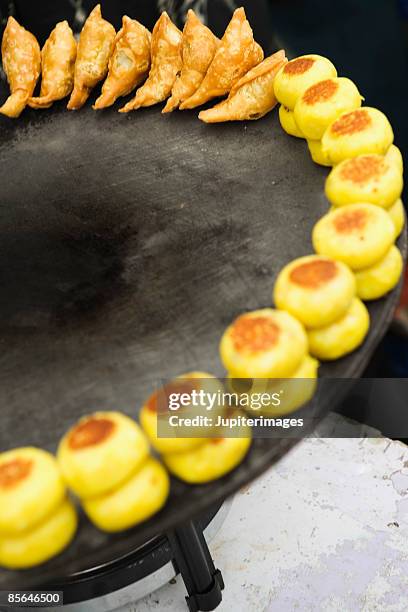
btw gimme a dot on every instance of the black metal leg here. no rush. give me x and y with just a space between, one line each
193 560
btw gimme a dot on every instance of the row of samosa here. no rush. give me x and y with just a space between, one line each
186 68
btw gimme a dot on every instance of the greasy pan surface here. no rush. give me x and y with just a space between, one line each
127 244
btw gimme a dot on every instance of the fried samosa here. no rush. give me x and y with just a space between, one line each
129 63
58 57
252 97
237 53
198 50
94 50
21 57
166 64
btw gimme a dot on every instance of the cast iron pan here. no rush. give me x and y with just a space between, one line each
127 244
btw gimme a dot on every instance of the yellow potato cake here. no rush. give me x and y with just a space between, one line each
213 459
159 404
100 451
307 369
299 74
264 343
376 179
288 123
294 391
394 156
358 235
316 290
397 214
343 336
45 540
317 154
297 390
358 132
378 280
322 103
142 495
31 487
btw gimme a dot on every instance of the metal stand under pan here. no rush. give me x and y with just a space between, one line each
183 551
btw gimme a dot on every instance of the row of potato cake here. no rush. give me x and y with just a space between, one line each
104 460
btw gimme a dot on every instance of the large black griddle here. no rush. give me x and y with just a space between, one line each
127 244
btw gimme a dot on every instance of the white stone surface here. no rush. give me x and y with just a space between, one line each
324 530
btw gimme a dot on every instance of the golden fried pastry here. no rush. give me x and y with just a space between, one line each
159 404
21 57
143 494
358 132
358 235
397 214
198 50
129 63
31 487
343 336
378 280
288 123
316 290
317 154
298 75
264 343
58 57
100 451
251 97
365 178
213 459
322 103
166 65
45 540
237 53
95 47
